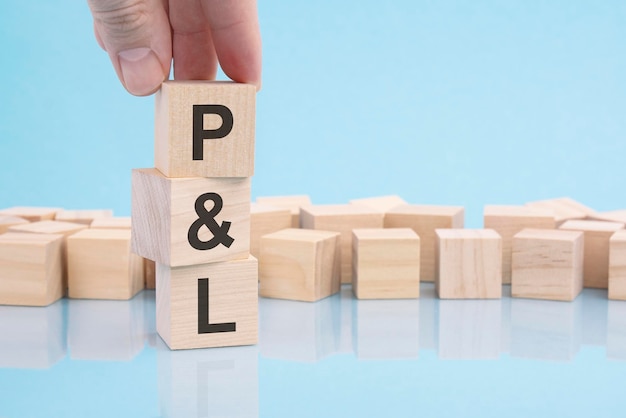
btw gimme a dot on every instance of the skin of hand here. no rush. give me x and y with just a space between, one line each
143 36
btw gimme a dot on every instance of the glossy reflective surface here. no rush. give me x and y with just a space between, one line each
336 357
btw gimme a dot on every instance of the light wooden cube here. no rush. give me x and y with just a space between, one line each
547 264
300 264
293 203
86 216
208 305
611 216
117 222
342 219
380 203
563 209
204 129
31 213
30 269
596 260
101 266
468 264
424 220
7 221
617 265
386 263
164 217
508 221
265 219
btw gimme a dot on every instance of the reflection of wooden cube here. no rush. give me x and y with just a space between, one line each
596 259
386 263
547 264
563 209
7 222
31 213
293 203
86 216
30 269
299 264
265 219
380 203
468 264
424 220
617 266
101 266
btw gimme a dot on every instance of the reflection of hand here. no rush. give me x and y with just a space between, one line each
142 36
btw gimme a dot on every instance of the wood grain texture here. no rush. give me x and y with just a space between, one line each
86 216
617 265
31 213
300 264
233 297
163 210
293 203
265 219
508 221
596 259
7 221
342 219
380 203
230 156
101 265
547 264
424 219
468 264
563 208
117 222
30 269
386 263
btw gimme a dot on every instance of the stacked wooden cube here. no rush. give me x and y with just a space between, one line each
191 214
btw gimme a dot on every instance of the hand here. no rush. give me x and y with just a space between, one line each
142 36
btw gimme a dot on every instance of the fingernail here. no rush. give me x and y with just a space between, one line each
141 70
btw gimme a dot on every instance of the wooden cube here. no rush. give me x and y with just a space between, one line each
547 264
596 259
300 264
424 220
149 268
7 221
342 219
31 213
617 265
508 221
117 222
204 129
293 203
563 209
265 219
380 203
468 264
386 263
173 218
86 216
611 216
208 305
101 266
30 269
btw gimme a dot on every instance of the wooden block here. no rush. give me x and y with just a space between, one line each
208 305
468 264
167 228
117 222
101 266
547 264
31 213
596 259
7 221
563 208
265 219
342 219
299 264
30 269
381 203
508 221
149 273
204 129
617 265
386 263
293 203
424 220
610 216
83 216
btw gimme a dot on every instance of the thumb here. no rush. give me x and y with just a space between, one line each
136 35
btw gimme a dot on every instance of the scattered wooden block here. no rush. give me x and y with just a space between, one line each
547 264
596 259
208 305
265 219
468 264
563 208
30 269
101 266
424 220
610 216
508 221
300 264
149 268
386 263
293 203
168 229
117 222
204 129
85 217
7 221
381 203
342 219
617 265
31 213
